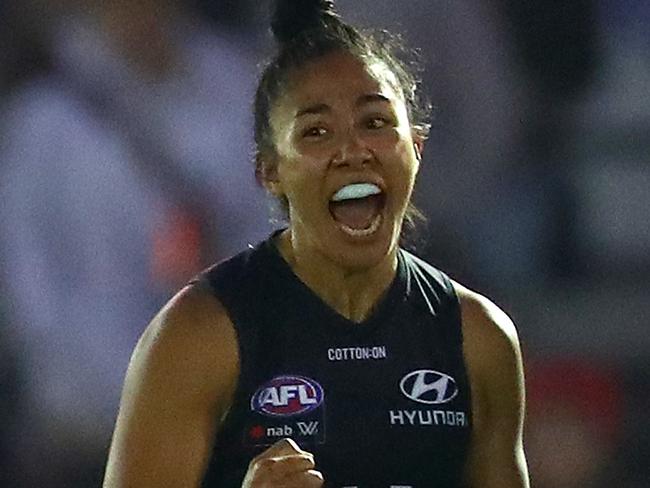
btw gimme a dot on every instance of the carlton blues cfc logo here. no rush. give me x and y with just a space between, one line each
286 406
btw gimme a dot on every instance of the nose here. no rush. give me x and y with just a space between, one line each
352 151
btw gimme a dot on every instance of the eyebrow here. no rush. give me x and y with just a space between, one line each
320 108
372 98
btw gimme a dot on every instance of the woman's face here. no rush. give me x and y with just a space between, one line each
346 159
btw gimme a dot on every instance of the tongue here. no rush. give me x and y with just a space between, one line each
357 214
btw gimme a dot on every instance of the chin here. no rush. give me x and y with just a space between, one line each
357 251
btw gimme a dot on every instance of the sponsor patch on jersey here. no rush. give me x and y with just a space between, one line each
356 353
286 406
428 386
434 389
285 396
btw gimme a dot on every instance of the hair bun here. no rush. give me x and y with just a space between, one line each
293 17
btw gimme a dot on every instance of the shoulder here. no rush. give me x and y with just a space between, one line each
486 328
493 358
495 370
190 347
178 388
194 319
193 311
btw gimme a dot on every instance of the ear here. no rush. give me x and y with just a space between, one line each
418 144
266 173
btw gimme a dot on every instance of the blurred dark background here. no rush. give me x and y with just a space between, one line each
126 167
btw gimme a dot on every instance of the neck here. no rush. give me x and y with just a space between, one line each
353 293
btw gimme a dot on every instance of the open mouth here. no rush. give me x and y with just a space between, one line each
357 208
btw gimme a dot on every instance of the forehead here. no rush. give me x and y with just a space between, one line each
337 76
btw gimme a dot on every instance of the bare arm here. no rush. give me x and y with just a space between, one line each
494 363
179 384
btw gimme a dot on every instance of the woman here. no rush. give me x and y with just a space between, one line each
327 355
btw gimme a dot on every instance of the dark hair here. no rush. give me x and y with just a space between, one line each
310 29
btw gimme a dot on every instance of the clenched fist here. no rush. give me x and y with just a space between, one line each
284 465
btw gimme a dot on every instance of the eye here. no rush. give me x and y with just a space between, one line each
377 122
314 132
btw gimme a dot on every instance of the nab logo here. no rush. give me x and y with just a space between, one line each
285 396
428 386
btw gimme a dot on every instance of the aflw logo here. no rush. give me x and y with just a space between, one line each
308 428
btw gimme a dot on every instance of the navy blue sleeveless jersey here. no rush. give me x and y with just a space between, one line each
384 403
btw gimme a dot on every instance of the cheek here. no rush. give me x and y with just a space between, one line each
300 181
397 140
405 162
315 156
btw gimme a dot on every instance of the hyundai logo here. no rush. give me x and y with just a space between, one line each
428 386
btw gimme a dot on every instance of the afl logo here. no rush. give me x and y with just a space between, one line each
284 396
428 386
